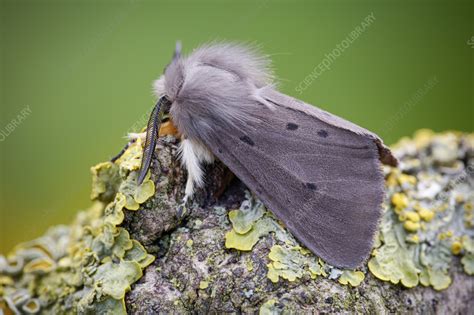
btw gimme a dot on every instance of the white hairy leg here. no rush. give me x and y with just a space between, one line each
192 154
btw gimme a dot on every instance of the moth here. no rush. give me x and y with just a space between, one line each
318 173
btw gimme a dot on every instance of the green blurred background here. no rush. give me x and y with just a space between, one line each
85 69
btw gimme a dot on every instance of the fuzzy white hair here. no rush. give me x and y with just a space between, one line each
193 154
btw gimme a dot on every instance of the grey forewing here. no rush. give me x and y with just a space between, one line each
276 97
324 182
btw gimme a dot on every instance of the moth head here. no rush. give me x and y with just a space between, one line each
213 65
159 84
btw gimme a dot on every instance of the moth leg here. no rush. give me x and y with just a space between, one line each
193 154
166 128
119 155
133 136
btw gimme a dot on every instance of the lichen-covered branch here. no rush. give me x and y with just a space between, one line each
225 252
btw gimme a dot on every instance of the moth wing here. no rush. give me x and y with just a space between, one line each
273 96
323 181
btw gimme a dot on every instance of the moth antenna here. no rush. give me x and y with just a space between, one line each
177 50
152 129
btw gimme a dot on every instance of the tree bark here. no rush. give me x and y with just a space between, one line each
194 272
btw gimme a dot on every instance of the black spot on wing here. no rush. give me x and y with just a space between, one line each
247 140
311 186
323 133
292 126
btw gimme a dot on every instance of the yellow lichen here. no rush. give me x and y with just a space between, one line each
354 278
290 264
189 243
114 210
404 179
445 235
248 226
315 270
468 259
391 180
468 263
413 238
423 137
249 264
131 158
426 214
402 216
243 219
400 201
203 285
411 226
269 308
245 242
115 279
456 247
105 180
413 216
392 262
136 194
438 279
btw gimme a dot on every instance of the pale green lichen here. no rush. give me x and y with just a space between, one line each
105 181
246 241
468 263
203 285
354 278
292 262
86 267
269 308
287 264
468 259
248 225
243 219
288 260
114 279
392 262
417 236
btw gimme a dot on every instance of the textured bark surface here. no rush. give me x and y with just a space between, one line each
195 273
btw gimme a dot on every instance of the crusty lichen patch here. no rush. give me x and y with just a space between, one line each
287 259
86 267
428 219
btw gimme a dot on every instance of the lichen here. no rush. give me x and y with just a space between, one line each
287 259
86 267
243 219
354 278
288 264
248 225
468 259
203 285
424 224
392 262
269 308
